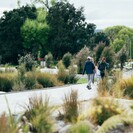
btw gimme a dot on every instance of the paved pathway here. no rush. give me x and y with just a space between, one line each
17 100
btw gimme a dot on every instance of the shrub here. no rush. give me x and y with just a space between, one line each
29 62
102 109
62 74
7 125
110 56
30 80
6 81
19 81
129 87
81 57
81 127
39 113
98 51
67 59
123 88
71 106
49 60
112 122
47 80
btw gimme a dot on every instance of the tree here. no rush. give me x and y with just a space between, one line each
119 36
35 34
90 34
10 38
67 29
101 37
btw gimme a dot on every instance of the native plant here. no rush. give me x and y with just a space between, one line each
71 106
29 62
67 59
49 60
81 127
102 109
81 57
39 114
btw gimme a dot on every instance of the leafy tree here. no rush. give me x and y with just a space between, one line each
10 37
119 36
101 37
35 34
67 29
90 29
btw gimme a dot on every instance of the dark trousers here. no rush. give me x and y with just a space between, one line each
102 74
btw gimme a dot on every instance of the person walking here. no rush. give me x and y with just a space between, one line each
103 66
89 69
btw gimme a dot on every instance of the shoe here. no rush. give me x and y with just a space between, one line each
88 87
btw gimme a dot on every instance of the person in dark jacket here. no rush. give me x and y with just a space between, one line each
103 66
89 69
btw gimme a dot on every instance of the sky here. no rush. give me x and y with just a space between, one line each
103 13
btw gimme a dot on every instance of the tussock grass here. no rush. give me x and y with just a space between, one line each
71 106
102 109
39 113
6 81
47 80
81 127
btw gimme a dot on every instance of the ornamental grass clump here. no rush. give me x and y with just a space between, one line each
129 87
62 74
81 127
71 107
6 125
30 80
47 80
102 109
39 114
6 81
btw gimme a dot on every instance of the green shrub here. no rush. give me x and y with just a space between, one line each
6 81
39 113
47 80
29 62
49 60
30 80
102 109
62 74
81 57
81 127
128 90
6 126
67 59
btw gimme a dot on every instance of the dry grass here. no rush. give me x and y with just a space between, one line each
71 106
39 113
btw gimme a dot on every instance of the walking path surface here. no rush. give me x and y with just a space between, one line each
18 100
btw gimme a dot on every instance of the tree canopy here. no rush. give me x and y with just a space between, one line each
67 29
10 38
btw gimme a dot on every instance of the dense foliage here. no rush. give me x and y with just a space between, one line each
10 37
